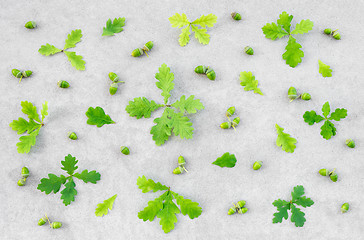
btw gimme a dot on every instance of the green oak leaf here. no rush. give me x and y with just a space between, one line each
69 192
189 105
184 37
282 208
51 184
87 176
285 140
69 164
303 27
328 130
226 160
285 21
76 60
165 81
96 116
151 211
162 130
102 208
27 142
338 114
179 20
297 216
304 202
141 107
147 185
206 21
181 125
73 38
201 35
48 49
29 109
273 31
167 214
192 209
113 27
311 117
44 111
324 69
293 54
247 80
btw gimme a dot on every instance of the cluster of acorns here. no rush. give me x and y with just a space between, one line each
20 74
24 176
332 174
181 166
229 124
292 94
53 225
208 71
114 85
335 34
238 208
140 51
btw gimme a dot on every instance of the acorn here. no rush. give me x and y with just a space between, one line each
231 211
292 93
345 207
27 73
350 143
30 25
113 88
327 31
333 176
200 69
230 111
257 165
305 96
323 172
137 52
72 135
124 150
336 35
22 182
25 172
56 225
181 161
63 84
42 221
148 46
17 73
225 125
248 50
210 73
236 121
113 77
178 170
241 203
236 16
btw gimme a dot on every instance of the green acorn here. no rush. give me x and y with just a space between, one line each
27 73
124 150
42 221
181 164
210 73
181 161
56 225
305 96
257 165
241 203
350 143
328 31
113 88
230 111
236 16
248 50
333 176
323 172
63 84
30 25
178 170
25 172
22 182
336 35
225 125
72 135
17 73
148 46
137 52
236 121
243 210
231 211
200 69
345 207
292 93
113 77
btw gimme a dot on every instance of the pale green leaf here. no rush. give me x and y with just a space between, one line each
201 35
249 83
189 105
115 26
162 130
178 20
324 69
338 114
285 21
293 54
192 209
102 208
21 125
204 21
167 214
184 37
27 142
73 38
76 60
141 107
165 78
303 27
328 130
29 109
147 185
181 125
44 111
326 109
285 141
273 31
311 117
150 211
48 49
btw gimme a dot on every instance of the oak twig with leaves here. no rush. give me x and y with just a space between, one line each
283 206
73 38
328 128
53 183
163 206
179 21
293 54
173 118
32 127
285 140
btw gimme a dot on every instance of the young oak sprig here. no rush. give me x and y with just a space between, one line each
328 128
173 118
73 38
53 183
293 54
32 126
164 207
179 21
283 206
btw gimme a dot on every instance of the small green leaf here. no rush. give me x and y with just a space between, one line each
324 69
293 54
151 211
178 20
285 21
147 185
52 183
96 116
304 202
73 38
69 193
285 141
326 109
297 217
340 113
167 214
87 176
30 110
102 208
69 164
282 208
226 160
273 31
21 125
165 81
192 209
311 117
247 80
48 49
189 105
162 130
76 60
328 130
206 21
113 27
184 37
181 125
44 111
201 35
27 142
303 27
297 192
141 107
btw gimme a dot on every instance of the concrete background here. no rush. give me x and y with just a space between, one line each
212 187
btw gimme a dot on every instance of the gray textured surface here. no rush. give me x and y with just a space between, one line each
214 188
